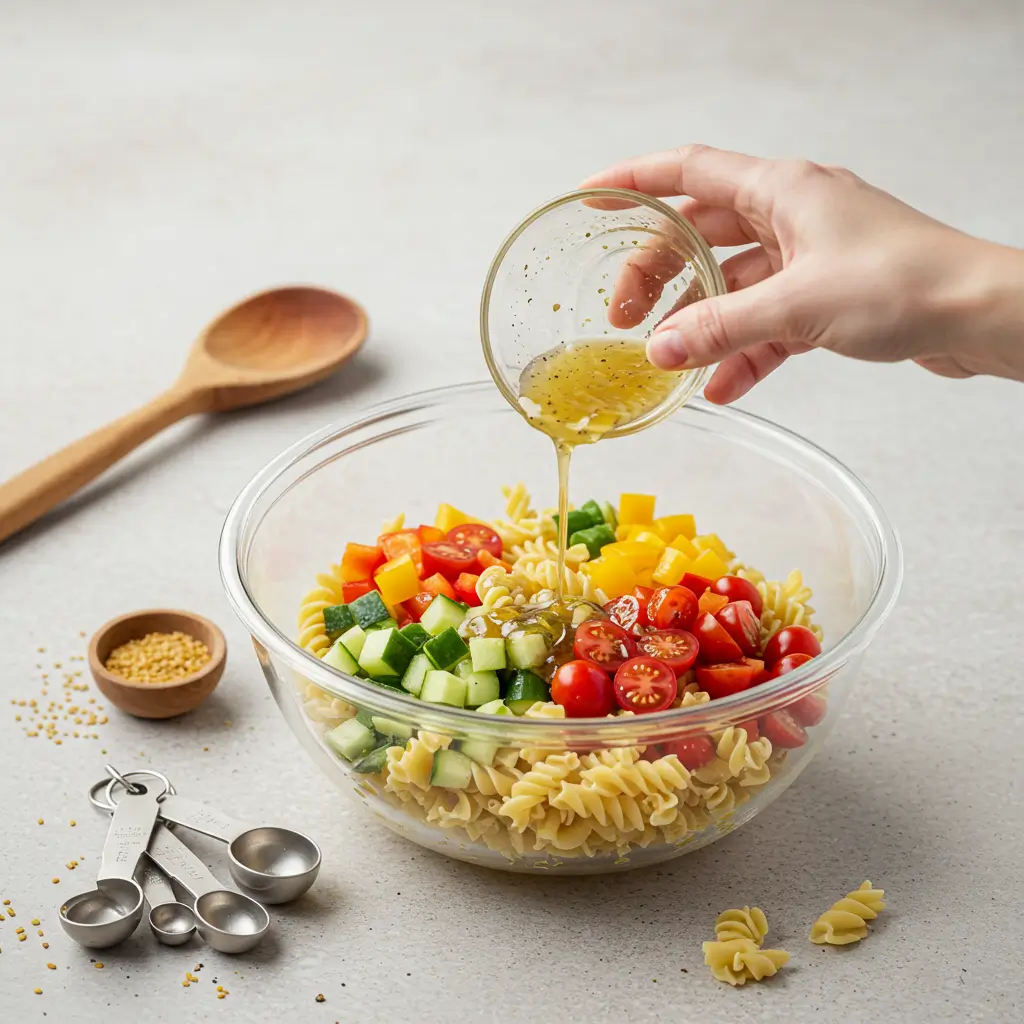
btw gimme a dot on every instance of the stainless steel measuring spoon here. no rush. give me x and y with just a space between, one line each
108 914
227 921
173 923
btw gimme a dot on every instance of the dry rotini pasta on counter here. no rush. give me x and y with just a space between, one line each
646 615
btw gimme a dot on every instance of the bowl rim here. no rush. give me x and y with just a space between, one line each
738 707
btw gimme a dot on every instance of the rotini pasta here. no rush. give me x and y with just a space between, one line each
846 920
745 923
738 961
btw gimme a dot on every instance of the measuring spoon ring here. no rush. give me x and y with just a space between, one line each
173 923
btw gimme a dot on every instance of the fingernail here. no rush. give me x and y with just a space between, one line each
667 349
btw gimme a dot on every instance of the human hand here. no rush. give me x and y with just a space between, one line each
835 264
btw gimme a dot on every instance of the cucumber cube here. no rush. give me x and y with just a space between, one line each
369 609
415 634
594 511
412 681
337 619
386 653
488 653
527 650
481 688
340 657
353 639
451 770
351 739
477 750
392 727
442 613
388 623
372 762
494 707
609 514
595 538
444 688
446 649
525 689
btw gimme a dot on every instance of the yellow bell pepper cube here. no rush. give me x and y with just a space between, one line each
652 539
397 580
448 517
712 542
709 565
639 556
671 568
636 508
645 579
688 548
668 527
622 532
613 574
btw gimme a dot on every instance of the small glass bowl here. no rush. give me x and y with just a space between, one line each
601 263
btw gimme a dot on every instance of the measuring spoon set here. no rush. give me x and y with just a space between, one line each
268 863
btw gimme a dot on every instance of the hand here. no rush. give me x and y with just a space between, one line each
835 264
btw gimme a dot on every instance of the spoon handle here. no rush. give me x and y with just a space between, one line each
177 861
199 818
128 836
31 494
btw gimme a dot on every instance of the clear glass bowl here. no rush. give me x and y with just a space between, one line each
799 509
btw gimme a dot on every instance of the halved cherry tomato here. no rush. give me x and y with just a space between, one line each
751 729
437 584
643 596
626 611
403 542
402 616
716 645
809 710
787 664
675 647
645 684
359 561
417 605
783 730
693 753
465 589
429 534
672 608
485 559
448 559
725 680
791 640
695 584
736 588
356 588
711 602
603 643
742 625
476 537
583 690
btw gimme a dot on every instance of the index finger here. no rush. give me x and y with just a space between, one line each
714 176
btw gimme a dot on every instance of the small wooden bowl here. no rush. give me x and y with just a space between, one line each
157 700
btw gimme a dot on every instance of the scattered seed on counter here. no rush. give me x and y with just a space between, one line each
99 967
38 991
45 945
320 997
55 880
35 921
51 967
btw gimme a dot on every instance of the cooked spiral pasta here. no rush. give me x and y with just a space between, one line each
535 787
745 923
846 920
785 603
327 592
738 961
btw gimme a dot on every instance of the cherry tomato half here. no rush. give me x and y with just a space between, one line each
476 537
418 604
603 643
695 584
725 680
448 559
675 647
742 625
736 588
783 730
809 710
787 664
356 588
715 643
583 690
645 684
672 608
643 596
627 612
751 729
693 753
791 640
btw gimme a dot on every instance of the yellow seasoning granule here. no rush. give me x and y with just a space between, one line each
158 658
38 991
35 921
99 967
52 967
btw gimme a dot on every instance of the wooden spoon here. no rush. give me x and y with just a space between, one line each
270 345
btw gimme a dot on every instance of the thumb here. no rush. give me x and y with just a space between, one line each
711 329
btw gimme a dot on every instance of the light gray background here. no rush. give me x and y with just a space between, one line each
158 161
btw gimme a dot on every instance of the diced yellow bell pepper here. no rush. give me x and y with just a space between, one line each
614 575
397 580
448 517
712 542
682 543
668 527
639 556
709 565
645 578
622 532
636 508
671 568
646 537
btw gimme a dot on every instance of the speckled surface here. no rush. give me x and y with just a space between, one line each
156 165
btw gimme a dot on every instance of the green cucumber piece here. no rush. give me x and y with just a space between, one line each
477 750
527 650
442 613
444 688
386 653
388 623
446 649
351 739
450 770
372 762
415 634
337 619
594 512
390 683
577 520
340 657
369 609
417 671
595 537
609 514
524 691
481 687
353 639
391 727
365 717
494 707
488 653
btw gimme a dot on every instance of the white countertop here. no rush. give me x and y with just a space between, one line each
157 162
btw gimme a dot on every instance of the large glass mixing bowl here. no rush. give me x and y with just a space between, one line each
800 509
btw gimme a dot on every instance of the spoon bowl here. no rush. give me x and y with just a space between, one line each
230 922
173 923
275 865
104 916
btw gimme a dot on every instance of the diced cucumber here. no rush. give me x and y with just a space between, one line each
351 739
353 639
442 613
524 691
415 634
494 707
594 511
444 688
481 687
337 619
577 520
386 653
451 770
609 514
446 649
340 657
526 650
390 683
366 717
369 609
477 750
372 762
417 671
388 623
488 653
595 537
391 727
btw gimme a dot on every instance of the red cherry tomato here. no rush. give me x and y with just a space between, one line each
465 589
695 584
350 591
448 559
752 731
787 664
583 690
783 730
742 625
417 605
809 710
627 612
643 596
715 643
675 647
645 684
476 537
672 608
791 640
402 616
694 753
725 680
603 643
736 588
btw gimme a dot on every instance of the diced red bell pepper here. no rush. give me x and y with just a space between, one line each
711 602
437 584
402 615
359 562
403 542
695 584
486 559
417 605
356 588
430 534
465 589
